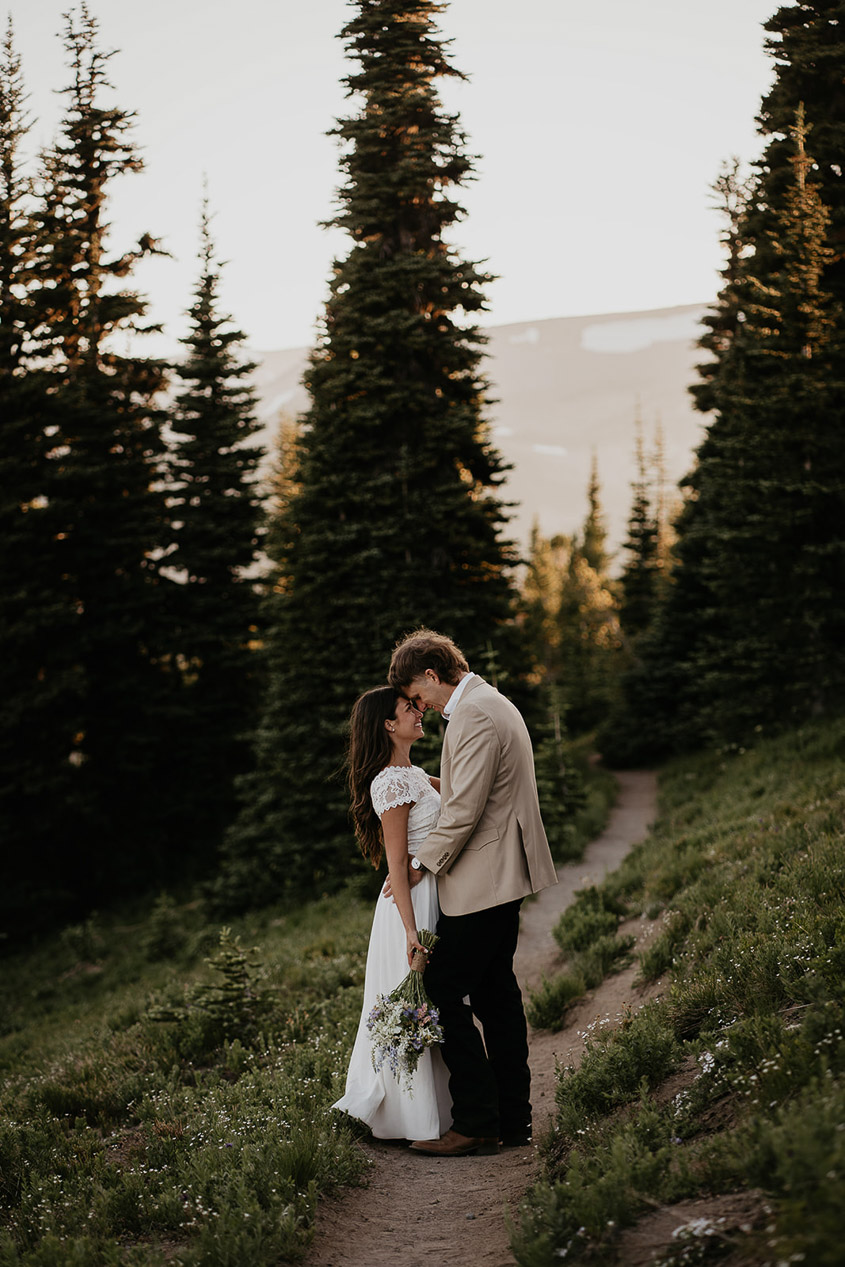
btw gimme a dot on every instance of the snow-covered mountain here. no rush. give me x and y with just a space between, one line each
564 388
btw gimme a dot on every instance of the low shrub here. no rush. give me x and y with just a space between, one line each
590 916
604 1183
587 931
619 1062
660 955
546 1007
604 954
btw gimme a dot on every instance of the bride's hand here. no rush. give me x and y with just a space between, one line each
412 945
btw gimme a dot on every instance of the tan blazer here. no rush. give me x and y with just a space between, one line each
489 845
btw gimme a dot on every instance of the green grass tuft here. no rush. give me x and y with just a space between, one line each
547 1005
590 917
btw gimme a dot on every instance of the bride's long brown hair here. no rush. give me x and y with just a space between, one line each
369 751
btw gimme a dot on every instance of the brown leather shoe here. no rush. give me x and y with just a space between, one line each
453 1144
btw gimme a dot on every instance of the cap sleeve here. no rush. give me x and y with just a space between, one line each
391 787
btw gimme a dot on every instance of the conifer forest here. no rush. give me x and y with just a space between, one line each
187 615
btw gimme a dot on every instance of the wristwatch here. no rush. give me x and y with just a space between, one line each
416 864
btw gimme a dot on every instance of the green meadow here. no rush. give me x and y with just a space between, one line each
167 1083
167 1086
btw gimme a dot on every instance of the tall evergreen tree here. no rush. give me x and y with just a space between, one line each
215 506
772 492
15 227
395 520
782 374
104 520
731 198
34 619
807 42
659 683
752 632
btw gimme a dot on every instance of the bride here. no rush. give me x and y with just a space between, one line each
394 806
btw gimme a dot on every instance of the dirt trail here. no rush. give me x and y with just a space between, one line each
418 1211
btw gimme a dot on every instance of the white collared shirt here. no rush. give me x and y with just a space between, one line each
449 708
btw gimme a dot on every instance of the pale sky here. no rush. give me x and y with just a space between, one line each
599 126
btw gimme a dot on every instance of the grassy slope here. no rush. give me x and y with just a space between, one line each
732 1081
207 1136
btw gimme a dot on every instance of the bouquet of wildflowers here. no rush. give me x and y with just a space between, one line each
405 1022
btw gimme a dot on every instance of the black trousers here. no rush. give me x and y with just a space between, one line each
490 1088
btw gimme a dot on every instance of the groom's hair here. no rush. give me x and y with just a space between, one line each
425 649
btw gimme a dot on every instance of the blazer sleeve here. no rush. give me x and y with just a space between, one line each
473 766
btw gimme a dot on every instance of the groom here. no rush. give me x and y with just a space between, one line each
488 851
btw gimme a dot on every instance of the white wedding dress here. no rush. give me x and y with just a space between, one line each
377 1098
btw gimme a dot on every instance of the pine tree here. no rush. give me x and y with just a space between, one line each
539 601
773 494
101 673
594 531
667 508
732 197
396 519
15 227
752 630
589 636
34 619
560 784
214 502
639 582
807 42
660 686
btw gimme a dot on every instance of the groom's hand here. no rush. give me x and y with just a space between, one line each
414 878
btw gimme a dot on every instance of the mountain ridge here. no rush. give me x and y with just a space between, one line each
562 388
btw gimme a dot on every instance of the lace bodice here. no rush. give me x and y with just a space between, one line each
403 785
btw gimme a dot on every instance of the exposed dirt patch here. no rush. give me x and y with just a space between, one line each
165 1250
418 1210
126 1147
82 970
681 1080
728 1219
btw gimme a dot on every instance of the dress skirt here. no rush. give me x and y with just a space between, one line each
377 1098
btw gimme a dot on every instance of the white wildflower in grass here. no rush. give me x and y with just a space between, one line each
404 1023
